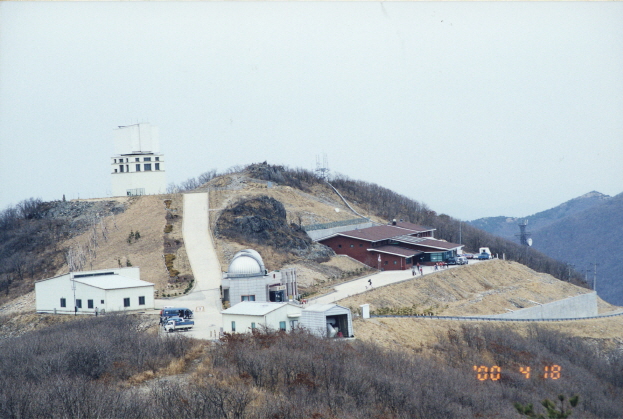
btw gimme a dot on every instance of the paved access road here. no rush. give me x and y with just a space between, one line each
205 298
380 279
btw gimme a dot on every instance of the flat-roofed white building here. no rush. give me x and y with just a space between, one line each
247 316
137 168
324 320
105 290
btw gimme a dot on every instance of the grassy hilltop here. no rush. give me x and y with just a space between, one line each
118 366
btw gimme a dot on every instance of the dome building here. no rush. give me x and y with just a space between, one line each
247 279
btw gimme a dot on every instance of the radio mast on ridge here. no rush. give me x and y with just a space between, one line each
322 169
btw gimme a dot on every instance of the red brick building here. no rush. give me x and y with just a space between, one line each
392 247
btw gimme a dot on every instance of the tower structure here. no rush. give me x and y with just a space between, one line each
322 168
137 167
524 236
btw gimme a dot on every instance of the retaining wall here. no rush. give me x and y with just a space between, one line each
584 305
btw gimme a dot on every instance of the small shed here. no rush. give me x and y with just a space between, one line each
329 320
89 292
249 315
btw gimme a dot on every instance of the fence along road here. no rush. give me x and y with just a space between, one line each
205 298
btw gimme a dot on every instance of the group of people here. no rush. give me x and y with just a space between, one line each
417 268
440 265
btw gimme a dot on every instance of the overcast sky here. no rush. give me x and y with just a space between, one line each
476 109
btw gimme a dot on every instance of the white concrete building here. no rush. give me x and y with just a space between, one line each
329 320
246 316
104 290
137 168
324 320
246 279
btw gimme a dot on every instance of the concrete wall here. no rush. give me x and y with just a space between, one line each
584 305
153 182
318 234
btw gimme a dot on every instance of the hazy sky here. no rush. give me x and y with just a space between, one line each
476 109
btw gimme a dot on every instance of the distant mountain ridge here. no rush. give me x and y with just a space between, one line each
582 231
507 227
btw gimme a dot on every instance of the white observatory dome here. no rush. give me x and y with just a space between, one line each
246 263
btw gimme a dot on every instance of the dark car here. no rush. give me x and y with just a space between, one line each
169 312
452 261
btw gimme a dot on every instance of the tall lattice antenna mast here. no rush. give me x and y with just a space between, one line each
322 169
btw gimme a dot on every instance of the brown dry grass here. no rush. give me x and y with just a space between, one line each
483 288
416 333
145 214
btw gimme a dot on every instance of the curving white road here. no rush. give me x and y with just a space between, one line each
205 298
360 285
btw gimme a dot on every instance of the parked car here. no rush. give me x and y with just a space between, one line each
452 261
484 256
177 323
168 312
461 260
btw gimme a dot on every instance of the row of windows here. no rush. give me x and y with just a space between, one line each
146 168
136 159
352 245
126 302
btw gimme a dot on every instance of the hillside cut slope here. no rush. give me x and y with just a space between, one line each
492 287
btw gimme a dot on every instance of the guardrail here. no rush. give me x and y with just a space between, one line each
497 319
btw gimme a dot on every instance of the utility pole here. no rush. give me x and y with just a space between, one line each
569 265
460 232
595 265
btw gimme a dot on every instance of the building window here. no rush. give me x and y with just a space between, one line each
408 261
89 303
233 326
352 245
79 303
127 167
102 301
121 168
137 159
157 158
147 159
126 302
157 166
395 262
247 298
252 325
138 167
282 325
360 244
115 170
339 246
115 160
141 301
385 263
63 302
147 167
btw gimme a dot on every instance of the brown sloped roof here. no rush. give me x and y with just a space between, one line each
396 250
414 227
428 242
374 234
